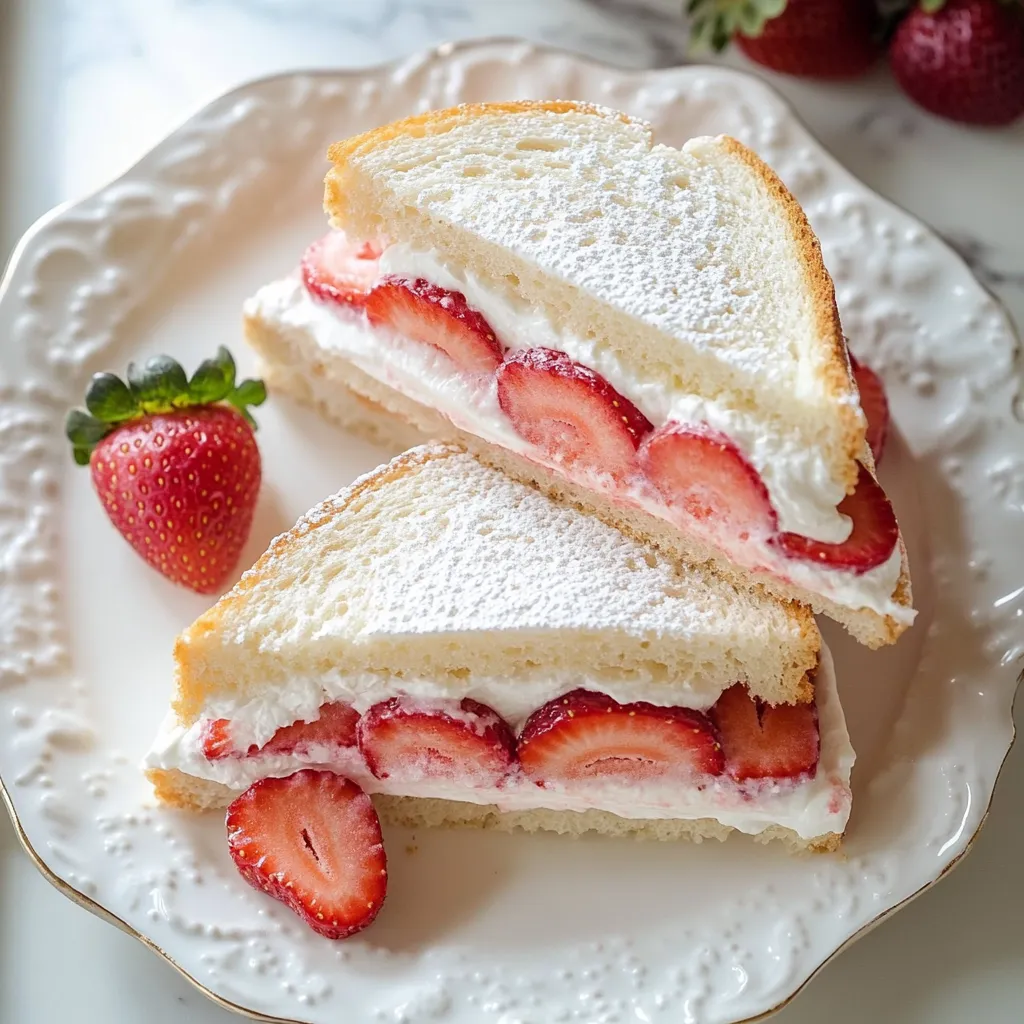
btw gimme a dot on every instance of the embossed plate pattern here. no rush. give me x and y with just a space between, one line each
481 927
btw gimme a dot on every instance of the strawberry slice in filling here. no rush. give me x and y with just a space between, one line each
871 542
586 736
703 476
875 405
761 741
570 413
423 312
336 269
463 741
334 726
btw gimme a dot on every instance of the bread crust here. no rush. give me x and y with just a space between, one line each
437 122
836 372
176 789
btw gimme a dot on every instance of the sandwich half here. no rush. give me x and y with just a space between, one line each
647 332
470 651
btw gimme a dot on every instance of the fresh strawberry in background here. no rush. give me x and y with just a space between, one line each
811 38
175 463
963 59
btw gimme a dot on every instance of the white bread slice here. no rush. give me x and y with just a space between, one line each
293 363
692 267
193 794
436 566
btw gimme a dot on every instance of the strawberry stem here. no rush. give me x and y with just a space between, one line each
160 385
714 22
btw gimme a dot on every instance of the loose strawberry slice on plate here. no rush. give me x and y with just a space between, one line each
411 740
572 414
312 840
761 741
422 311
872 540
704 475
875 406
586 736
336 269
334 726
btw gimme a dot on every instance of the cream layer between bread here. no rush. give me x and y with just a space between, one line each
801 489
811 806
427 376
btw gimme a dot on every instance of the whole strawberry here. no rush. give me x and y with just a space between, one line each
810 38
175 463
963 59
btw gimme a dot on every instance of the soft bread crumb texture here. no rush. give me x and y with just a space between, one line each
189 793
292 363
437 566
694 267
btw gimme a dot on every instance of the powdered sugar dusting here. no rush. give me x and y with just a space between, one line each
468 550
565 192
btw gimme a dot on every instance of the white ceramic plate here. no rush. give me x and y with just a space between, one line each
479 927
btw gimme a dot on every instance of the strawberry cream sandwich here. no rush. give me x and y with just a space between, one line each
646 332
467 650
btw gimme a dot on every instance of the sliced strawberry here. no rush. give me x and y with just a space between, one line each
422 311
312 840
761 741
703 474
335 725
336 269
875 406
411 740
584 736
871 541
573 415
217 740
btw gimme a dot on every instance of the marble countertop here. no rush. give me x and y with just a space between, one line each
86 86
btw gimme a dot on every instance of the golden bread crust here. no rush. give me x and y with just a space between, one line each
837 373
177 789
437 122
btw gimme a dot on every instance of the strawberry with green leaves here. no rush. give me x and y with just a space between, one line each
810 38
175 463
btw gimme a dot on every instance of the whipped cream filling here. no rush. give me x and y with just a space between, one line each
427 376
801 488
811 806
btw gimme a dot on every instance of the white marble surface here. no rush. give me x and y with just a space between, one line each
87 85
